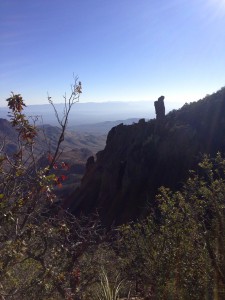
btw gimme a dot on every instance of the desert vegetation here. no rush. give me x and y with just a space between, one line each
175 252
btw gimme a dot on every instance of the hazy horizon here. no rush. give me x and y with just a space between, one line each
176 104
93 112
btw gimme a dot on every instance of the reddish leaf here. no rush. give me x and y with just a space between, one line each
55 166
63 177
50 157
65 165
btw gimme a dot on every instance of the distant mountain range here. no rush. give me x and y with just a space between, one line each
48 137
102 127
90 113
76 148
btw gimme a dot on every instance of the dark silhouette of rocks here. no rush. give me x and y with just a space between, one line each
160 108
90 163
138 159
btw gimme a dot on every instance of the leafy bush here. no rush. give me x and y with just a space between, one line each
41 244
178 252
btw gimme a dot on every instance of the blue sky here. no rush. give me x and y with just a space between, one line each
122 50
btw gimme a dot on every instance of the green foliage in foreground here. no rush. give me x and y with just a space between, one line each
181 254
46 253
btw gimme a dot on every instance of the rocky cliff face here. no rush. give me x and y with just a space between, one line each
139 158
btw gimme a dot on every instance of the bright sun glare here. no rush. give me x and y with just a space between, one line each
216 8
218 3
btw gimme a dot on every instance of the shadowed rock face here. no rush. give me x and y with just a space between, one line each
138 159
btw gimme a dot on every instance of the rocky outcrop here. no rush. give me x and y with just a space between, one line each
121 184
160 108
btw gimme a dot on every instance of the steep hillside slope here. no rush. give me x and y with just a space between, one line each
139 158
8 136
76 148
74 142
